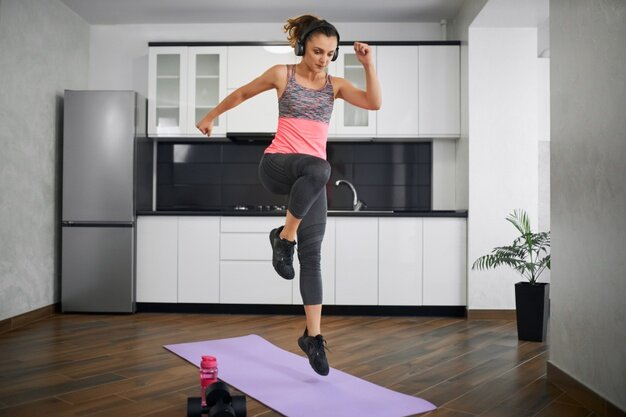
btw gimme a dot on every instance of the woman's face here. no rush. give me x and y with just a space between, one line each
318 51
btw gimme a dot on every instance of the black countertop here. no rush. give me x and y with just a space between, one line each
331 213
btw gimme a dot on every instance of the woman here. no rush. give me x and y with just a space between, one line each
295 162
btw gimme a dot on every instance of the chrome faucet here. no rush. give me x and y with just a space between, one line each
356 203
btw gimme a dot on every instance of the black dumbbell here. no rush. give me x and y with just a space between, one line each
217 392
238 403
218 400
194 407
219 403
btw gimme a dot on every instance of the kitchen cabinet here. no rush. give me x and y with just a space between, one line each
397 68
421 91
400 261
445 266
198 259
245 63
253 282
387 261
420 85
167 90
157 259
206 86
439 106
246 272
184 83
352 120
356 261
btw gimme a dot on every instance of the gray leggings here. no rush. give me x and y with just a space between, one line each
303 178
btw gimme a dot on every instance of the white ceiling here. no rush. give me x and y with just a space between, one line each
111 12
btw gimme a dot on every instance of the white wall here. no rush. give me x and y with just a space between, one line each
588 88
119 53
45 49
543 135
503 161
459 30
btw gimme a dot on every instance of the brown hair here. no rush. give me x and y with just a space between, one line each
295 26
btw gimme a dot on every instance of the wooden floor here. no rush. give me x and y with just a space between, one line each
115 365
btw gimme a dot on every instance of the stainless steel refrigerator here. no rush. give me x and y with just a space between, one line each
100 134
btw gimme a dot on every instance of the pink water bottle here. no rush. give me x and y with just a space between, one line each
208 375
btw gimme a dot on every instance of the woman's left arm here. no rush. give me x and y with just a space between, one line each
371 98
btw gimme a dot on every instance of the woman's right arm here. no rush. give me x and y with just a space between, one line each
266 81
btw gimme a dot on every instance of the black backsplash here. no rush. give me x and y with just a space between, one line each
219 175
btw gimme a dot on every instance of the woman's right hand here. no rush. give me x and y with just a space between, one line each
205 126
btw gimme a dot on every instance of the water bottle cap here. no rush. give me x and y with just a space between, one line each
208 362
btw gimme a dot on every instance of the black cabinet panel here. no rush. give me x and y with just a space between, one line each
196 174
237 174
392 174
242 153
197 153
392 153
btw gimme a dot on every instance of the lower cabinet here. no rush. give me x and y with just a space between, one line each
356 261
198 260
252 282
246 272
400 261
178 259
445 265
157 259
365 261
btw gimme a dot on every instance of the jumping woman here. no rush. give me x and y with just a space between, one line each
294 164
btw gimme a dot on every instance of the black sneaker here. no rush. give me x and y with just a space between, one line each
282 256
314 347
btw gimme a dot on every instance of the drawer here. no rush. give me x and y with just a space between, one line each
250 224
245 246
253 282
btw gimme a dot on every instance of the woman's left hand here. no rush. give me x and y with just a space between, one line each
363 53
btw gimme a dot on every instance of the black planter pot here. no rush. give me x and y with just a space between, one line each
532 303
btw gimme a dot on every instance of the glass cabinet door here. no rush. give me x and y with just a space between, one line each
167 90
207 86
351 119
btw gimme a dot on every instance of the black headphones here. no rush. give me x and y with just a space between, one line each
299 48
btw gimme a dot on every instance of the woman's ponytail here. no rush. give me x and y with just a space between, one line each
296 25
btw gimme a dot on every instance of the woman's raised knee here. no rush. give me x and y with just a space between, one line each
319 172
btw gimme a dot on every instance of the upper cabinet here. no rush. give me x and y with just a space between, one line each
167 90
439 106
397 72
352 120
206 86
420 88
184 83
245 63
421 91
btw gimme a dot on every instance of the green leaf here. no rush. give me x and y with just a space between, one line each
528 254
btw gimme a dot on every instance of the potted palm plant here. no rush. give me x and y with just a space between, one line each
528 255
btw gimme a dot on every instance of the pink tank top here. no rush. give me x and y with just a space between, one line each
303 118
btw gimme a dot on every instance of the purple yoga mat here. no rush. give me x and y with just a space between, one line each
285 382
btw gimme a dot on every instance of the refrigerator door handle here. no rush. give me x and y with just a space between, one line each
69 223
